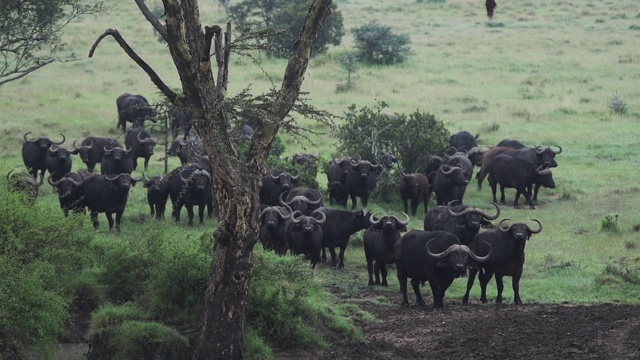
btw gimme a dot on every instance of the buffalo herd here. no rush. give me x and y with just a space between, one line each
295 218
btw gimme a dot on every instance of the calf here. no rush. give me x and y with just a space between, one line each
189 187
433 256
157 195
507 258
414 187
379 242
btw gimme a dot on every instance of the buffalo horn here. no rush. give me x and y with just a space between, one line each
112 178
451 169
58 143
182 177
296 176
27 140
463 213
295 219
500 225
275 177
9 175
41 181
539 227
107 151
53 148
144 140
372 220
322 219
558 151
450 249
403 223
543 172
489 217
474 256
51 182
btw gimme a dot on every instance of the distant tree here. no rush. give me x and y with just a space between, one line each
30 33
283 19
377 44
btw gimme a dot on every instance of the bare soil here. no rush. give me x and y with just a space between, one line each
475 331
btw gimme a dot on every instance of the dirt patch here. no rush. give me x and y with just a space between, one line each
530 331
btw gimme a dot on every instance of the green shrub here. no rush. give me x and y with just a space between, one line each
366 131
610 224
616 104
41 252
377 44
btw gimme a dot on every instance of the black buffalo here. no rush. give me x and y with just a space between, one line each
24 183
414 187
134 109
187 150
461 220
336 176
307 161
116 160
511 143
433 256
361 180
379 244
338 228
190 186
274 184
242 133
35 153
108 194
543 158
92 149
304 235
506 259
387 160
337 193
157 195
58 161
70 189
273 229
179 120
463 141
303 199
511 172
141 145
449 184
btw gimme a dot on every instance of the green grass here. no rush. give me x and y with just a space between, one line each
542 73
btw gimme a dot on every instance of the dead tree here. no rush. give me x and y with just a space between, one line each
236 183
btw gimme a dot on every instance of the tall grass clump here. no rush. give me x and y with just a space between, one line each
41 251
288 308
617 104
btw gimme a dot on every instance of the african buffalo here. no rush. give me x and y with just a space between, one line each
512 172
273 229
506 258
190 186
35 153
92 149
141 145
70 191
187 150
179 121
433 256
361 180
157 195
116 160
24 183
379 243
414 187
463 141
274 184
134 109
306 161
108 194
303 199
461 220
58 161
304 235
449 184
338 228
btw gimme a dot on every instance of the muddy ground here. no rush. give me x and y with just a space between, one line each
529 331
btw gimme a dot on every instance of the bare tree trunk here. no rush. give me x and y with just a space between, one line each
236 183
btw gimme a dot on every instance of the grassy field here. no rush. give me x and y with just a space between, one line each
542 72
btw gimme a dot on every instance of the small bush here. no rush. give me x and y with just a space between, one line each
377 44
610 224
616 104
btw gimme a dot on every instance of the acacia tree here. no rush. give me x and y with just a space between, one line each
30 33
236 183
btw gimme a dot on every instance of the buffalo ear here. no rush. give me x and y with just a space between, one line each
402 228
442 263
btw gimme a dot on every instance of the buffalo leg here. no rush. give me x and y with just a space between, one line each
201 213
332 251
376 271
470 281
190 213
536 188
438 294
146 163
402 280
415 283
500 287
414 206
118 220
383 271
503 200
342 249
370 268
94 219
425 200
152 208
406 205
109 219
365 200
515 283
484 278
354 201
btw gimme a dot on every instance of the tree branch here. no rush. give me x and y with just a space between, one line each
161 29
132 54
26 72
